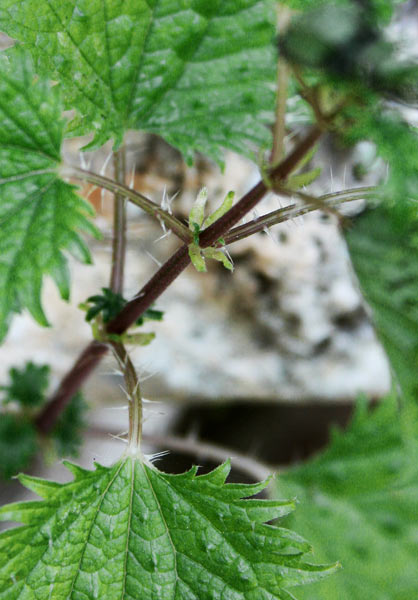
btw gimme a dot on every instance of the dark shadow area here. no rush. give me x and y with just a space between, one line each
275 434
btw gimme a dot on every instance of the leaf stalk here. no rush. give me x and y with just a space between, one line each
119 225
147 205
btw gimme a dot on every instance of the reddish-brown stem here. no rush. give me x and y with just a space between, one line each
169 271
72 382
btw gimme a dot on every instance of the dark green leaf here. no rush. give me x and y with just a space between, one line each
150 315
40 215
28 385
198 73
18 444
378 10
109 304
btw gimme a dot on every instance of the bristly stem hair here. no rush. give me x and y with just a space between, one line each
133 389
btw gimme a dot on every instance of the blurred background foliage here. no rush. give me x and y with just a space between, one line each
359 498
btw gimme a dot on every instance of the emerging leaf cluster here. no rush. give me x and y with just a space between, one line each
109 304
198 222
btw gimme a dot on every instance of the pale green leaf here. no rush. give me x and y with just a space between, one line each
131 532
40 215
197 259
358 502
197 214
219 212
217 254
138 339
305 160
198 73
383 244
296 182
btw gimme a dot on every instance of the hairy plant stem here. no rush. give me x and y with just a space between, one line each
291 212
169 271
70 384
133 391
279 128
119 226
147 205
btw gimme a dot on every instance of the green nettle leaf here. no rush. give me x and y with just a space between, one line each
219 212
107 304
198 73
358 502
132 532
383 244
40 215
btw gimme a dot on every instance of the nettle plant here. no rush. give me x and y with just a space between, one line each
203 75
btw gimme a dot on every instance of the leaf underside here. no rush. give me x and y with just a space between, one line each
198 73
134 533
40 215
